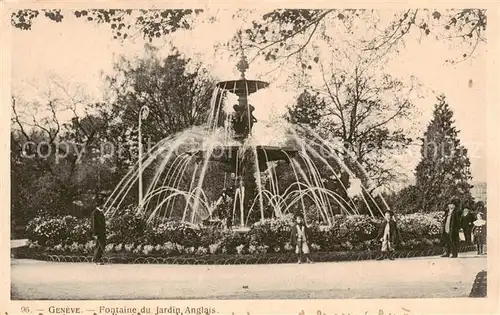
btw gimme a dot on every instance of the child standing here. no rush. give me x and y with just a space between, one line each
479 232
299 239
388 234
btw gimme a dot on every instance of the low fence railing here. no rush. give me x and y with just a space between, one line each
275 258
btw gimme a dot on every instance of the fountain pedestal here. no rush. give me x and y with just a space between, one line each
243 161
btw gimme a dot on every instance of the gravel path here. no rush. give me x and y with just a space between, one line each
403 278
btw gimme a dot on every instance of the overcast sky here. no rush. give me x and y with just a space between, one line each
79 53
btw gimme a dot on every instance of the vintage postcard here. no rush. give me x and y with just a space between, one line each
249 158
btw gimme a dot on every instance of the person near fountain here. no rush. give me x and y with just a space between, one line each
299 239
467 220
223 207
99 233
450 237
389 235
479 231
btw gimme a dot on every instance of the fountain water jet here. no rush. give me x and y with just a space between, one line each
186 170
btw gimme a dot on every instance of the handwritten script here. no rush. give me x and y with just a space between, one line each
164 310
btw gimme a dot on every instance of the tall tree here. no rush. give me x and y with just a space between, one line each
405 200
308 109
355 103
177 93
60 164
444 171
54 163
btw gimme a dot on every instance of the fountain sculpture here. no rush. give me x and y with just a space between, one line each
178 187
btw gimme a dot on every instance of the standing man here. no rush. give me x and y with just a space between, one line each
99 233
450 232
467 225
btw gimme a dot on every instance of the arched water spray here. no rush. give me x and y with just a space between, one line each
188 174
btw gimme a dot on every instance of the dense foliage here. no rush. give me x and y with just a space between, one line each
129 234
61 167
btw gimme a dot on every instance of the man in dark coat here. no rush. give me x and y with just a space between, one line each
450 229
467 224
99 233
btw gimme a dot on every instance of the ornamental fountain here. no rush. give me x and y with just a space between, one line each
223 160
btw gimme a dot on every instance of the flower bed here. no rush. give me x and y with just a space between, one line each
129 236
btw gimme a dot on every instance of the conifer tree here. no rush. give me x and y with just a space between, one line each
307 111
444 171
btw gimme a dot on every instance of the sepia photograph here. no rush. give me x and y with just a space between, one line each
225 153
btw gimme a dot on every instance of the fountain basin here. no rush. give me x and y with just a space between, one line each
242 87
229 155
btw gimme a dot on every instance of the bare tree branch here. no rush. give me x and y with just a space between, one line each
293 34
16 119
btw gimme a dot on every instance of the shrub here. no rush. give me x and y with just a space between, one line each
230 241
174 232
348 233
50 231
129 233
318 236
81 232
128 227
273 233
418 229
211 235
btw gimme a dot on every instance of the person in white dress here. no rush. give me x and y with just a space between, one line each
479 231
300 238
389 236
